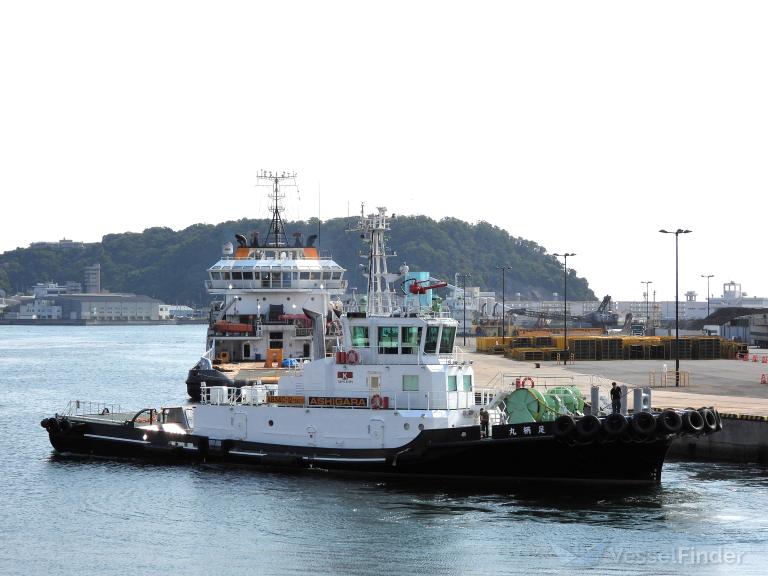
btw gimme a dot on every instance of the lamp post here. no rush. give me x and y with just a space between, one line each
707 276
647 316
464 277
677 302
503 305
565 301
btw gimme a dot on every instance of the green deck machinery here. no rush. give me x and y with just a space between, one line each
532 405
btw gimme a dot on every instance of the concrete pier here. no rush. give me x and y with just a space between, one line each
733 387
740 440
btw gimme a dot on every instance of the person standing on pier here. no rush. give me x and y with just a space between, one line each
615 398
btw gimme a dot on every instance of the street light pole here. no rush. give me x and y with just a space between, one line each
464 277
677 302
503 306
565 302
707 276
647 315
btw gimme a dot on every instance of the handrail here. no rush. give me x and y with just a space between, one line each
407 400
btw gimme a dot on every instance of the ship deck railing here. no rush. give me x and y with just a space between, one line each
86 409
352 399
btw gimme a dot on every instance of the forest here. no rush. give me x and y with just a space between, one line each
171 265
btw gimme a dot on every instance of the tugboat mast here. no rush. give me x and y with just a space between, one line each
381 296
276 236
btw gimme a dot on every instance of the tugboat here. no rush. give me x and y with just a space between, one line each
395 398
275 304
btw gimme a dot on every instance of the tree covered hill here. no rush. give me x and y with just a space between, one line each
170 265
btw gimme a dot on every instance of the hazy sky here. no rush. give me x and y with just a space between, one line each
582 126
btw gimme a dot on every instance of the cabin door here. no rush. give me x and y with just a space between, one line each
239 425
374 383
376 432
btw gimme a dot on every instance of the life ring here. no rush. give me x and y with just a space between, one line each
375 402
527 379
352 357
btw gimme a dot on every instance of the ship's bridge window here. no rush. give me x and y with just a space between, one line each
430 343
446 339
225 276
237 275
247 275
410 383
336 276
257 275
410 337
326 275
304 275
215 275
360 336
452 383
467 383
314 275
388 339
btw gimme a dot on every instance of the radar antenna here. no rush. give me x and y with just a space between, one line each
276 236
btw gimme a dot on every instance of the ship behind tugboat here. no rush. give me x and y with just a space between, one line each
276 304
395 398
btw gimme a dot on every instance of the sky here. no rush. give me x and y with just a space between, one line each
582 126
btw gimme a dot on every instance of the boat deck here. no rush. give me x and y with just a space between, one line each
249 371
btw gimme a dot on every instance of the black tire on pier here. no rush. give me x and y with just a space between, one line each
710 420
587 427
670 422
719 419
693 421
564 426
615 424
643 423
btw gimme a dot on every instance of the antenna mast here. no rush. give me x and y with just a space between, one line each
381 296
276 236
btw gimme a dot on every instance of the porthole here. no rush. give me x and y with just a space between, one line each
271 423
421 426
407 426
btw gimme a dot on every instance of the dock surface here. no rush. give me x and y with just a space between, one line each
731 386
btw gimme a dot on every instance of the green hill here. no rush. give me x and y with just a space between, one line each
170 265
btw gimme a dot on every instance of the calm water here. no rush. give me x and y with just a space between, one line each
71 515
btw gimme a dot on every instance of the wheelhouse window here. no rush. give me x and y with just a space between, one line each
304 275
446 340
467 383
388 339
430 343
410 383
452 383
410 337
360 336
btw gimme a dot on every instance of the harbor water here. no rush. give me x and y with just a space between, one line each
80 515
